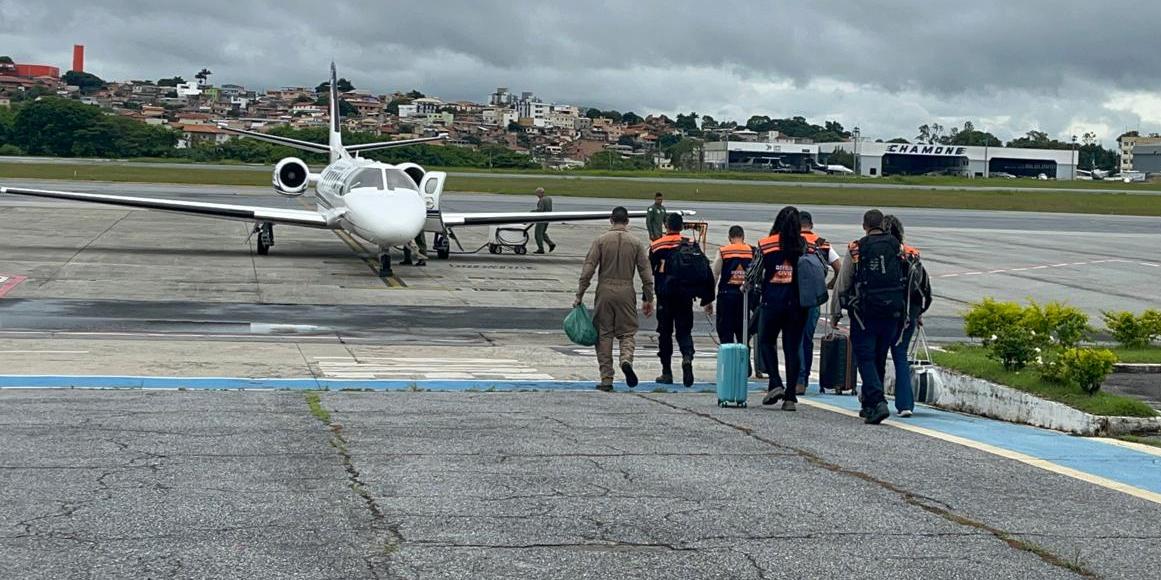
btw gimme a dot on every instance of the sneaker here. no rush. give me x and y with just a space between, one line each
551 248
687 371
877 414
630 376
789 406
905 413
774 395
538 252
605 387
421 263
864 412
664 379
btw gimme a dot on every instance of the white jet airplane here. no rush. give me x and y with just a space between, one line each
387 205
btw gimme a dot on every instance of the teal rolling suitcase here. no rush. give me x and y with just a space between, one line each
734 363
733 374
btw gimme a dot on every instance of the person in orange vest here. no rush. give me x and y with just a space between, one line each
830 257
681 273
730 266
919 299
782 312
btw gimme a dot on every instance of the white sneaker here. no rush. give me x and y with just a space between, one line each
905 413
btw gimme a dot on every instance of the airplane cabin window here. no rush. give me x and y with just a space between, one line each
367 178
396 178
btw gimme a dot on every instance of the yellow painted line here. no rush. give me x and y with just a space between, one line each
361 251
1151 450
1006 453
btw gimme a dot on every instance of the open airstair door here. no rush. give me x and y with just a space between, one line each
431 188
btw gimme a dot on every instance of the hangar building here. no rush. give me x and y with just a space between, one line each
1146 159
883 159
778 156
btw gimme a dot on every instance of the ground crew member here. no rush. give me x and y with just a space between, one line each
675 302
730 266
831 257
919 300
543 205
418 247
655 218
870 287
617 254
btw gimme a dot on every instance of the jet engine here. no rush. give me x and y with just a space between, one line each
413 171
291 177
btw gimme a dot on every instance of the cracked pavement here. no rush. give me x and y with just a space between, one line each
151 484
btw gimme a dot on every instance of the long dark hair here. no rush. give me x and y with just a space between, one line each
788 226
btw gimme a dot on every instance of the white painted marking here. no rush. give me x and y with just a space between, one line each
1040 268
1020 269
44 352
1059 265
997 271
971 273
1005 453
1151 265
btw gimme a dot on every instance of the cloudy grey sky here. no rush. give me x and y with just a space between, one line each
1061 66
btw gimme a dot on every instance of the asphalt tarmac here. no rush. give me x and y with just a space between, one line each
470 484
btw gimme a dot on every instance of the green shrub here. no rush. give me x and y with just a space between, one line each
990 317
1067 325
1083 367
1134 331
1014 346
10 150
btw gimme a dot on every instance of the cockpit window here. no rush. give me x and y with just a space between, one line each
396 178
367 178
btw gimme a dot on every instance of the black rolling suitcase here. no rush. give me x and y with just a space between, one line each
836 363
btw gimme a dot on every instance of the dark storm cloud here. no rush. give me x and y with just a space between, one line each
890 65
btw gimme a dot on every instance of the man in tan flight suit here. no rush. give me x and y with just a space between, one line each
617 254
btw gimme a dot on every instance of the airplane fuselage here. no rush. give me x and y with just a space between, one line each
375 201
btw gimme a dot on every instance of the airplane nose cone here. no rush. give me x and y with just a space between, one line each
387 217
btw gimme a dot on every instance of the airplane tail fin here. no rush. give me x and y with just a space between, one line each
336 137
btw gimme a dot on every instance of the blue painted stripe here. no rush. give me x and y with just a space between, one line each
1122 464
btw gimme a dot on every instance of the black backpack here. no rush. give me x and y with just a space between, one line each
881 278
689 272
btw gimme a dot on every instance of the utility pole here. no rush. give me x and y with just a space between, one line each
855 134
1075 157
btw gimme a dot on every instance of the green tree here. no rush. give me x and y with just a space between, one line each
170 82
48 126
684 153
970 136
899 140
687 123
203 75
7 120
626 140
1038 140
343 85
6 60
631 118
668 140
841 157
89 83
415 95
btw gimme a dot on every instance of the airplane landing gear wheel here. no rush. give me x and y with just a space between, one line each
265 237
494 249
442 246
385 270
520 250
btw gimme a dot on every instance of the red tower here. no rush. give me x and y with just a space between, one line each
79 58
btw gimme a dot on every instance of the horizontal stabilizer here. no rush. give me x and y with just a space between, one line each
277 140
389 144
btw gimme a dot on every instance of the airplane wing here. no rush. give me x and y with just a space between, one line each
305 218
495 219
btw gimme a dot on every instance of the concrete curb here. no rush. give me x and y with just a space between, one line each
958 392
1137 368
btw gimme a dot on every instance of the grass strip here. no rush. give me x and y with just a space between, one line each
770 192
973 361
1147 355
